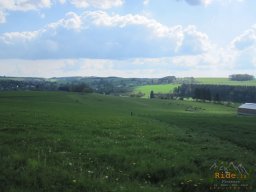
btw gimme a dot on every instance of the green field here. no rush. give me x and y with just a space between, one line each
168 88
165 88
224 81
76 142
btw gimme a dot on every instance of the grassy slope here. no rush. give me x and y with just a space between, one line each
225 81
73 142
166 88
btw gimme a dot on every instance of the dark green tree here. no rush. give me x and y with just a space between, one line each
217 97
152 95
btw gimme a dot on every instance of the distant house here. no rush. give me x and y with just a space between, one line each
247 109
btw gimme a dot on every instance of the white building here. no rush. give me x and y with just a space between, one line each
247 109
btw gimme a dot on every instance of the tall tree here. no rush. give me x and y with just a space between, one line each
152 95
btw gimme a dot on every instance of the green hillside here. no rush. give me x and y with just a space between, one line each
87 142
164 88
168 88
224 81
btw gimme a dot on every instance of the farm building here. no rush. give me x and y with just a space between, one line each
247 109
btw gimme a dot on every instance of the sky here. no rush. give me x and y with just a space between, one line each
127 38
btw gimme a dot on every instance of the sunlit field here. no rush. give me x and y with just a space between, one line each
57 141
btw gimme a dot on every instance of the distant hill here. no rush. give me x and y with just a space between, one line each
106 85
168 88
140 87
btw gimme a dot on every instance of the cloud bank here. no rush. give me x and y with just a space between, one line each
91 35
104 42
32 5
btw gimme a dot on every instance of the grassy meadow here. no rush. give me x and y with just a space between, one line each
168 88
224 81
57 141
163 88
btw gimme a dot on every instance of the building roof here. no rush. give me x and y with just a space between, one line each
248 106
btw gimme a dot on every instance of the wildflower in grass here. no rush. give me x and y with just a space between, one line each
106 177
70 164
74 181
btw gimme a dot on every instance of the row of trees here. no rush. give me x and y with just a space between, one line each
9 85
241 77
76 87
217 92
6 85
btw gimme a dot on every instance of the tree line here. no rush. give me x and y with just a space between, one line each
14 85
241 77
217 92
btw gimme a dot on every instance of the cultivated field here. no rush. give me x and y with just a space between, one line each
76 142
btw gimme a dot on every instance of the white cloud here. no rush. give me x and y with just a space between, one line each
194 41
21 5
187 39
244 49
2 17
71 21
97 34
24 5
40 68
213 61
246 39
27 5
244 59
62 1
146 2
33 5
12 38
64 67
155 67
101 4
102 18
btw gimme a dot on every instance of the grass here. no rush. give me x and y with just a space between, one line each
225 81
76 142
165 88
168 88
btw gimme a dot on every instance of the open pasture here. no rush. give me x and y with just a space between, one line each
57 141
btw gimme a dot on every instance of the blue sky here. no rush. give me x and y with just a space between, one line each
127 38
